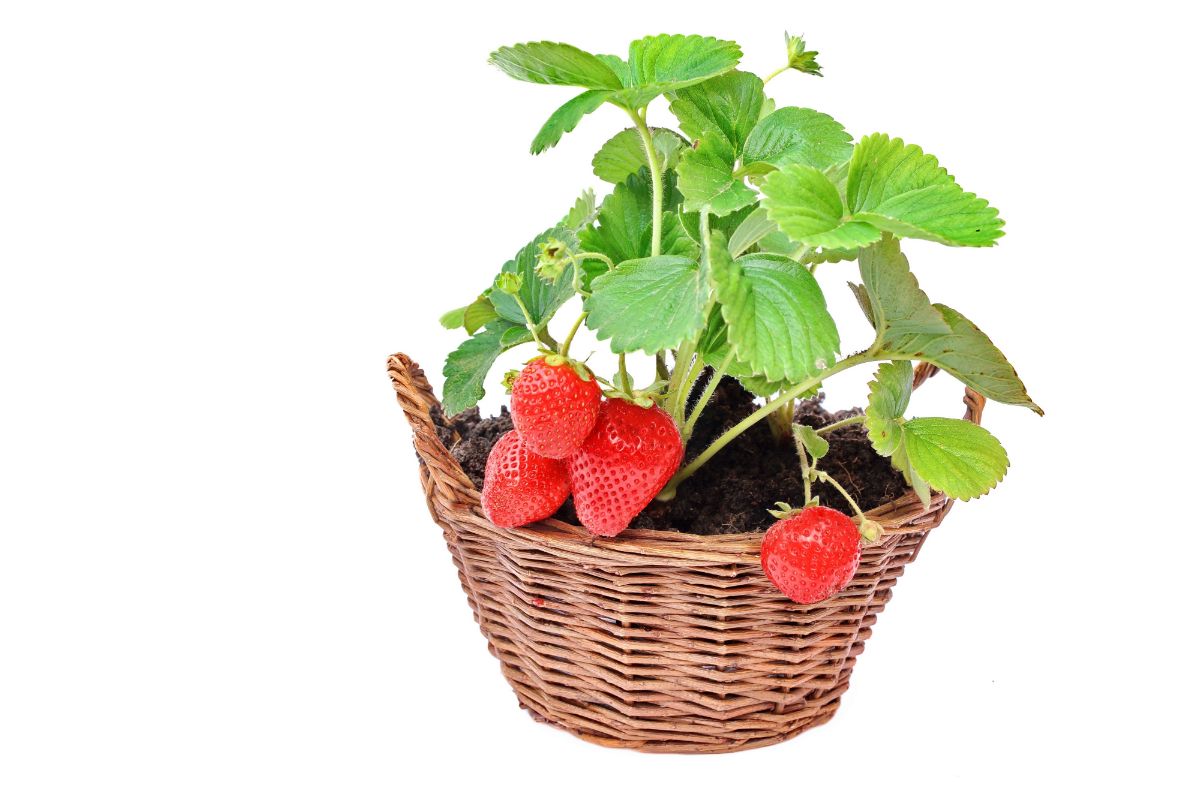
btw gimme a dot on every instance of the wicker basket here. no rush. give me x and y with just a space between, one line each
658 641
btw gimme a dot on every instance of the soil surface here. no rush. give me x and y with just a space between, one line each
734 491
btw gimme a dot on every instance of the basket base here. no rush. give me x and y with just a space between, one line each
733 746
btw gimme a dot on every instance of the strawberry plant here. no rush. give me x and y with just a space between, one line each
702 258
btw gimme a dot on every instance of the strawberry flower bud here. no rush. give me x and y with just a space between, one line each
801 59
509 282
552 260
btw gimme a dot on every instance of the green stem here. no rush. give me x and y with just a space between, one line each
740 428
566 345
660 366
596 256
842 423
533 330
625 386
779 71
804 468
825 477
656 182
680 386
704 398
684 391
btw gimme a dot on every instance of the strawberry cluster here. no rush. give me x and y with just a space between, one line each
613 455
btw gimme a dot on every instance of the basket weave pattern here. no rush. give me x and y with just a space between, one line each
655 640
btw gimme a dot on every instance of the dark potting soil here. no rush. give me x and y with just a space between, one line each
734 491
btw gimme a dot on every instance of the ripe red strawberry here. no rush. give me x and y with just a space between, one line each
553 408
629 457
813 555
520 487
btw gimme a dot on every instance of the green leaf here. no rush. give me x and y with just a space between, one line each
890 187
886 404
969 355
753 229
955 456
831 255
898 306
668 63
776 315
726 224
798 136
619 66
816 446
554 63
471 317
713 348
806 206
542 299
467 367
624 154
648 304
582 214
626 220
479 313
515 335
453 319
901 189
891 391
728 103
915 329
778 242
706 177
919 485
565 119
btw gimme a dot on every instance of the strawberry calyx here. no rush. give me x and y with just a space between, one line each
870 530
648 397
554 359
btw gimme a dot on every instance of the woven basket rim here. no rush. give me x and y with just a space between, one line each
416 397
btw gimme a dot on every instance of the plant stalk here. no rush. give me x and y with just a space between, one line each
533 329
825 477
685 373
777 72
566 345
805 475
656 182
717 375
842 423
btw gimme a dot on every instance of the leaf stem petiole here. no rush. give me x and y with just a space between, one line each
805 469
777 72
711 387
566 345
825 477
533 329
586 255
842 423
656 179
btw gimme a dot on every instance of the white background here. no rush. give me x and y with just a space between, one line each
217 574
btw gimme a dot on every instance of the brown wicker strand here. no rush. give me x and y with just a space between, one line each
657 640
